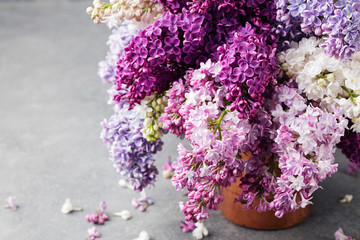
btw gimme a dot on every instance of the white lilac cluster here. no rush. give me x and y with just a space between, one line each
325 79
305 144
140 13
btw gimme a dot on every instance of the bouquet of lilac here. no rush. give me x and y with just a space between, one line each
275 80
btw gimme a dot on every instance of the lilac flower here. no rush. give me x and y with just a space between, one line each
207 71
168 170
67 207
350 147
125 214
172 119
305 153
187 226
172 46
93 233
338 23
347 198
246 73
119 38
143 202
124 184
200 231
339 235
10 203
131 153
353 168
98 216
144 235
187 39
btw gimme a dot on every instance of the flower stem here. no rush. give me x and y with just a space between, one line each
218 123
351 93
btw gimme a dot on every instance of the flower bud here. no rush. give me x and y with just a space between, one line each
107 12
330 77
89 10
97 20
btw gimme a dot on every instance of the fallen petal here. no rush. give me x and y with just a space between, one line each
67 207
347 198
200 231
93 233
144 235
10 203
123 214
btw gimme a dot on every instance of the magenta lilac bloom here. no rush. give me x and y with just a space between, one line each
187 226
98 217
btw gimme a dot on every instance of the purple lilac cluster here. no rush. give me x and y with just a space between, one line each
162 53
337 21
248 67
119 38
350 147
131 153
260 9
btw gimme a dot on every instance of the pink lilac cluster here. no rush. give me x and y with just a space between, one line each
350 147
172 118
337 21
216 134
305 146
131 153
119 38
98 217
303 141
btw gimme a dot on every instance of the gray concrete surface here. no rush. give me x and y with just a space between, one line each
51 103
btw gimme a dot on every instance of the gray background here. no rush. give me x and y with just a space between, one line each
51 103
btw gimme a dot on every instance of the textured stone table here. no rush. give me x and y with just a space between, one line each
51 103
